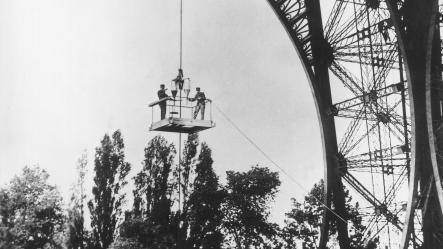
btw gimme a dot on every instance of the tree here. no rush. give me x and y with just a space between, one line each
205 201
111 170
196 224
183 174
199 218
201 198
246 209
150 222
31 210
76 235
304 220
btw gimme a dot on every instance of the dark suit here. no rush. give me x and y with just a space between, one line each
162 94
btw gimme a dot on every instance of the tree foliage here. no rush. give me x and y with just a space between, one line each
176 205
304 220
184 173
152 186
246 209
156 220
125 243
76 234
151 220
31 210
111 170
203 209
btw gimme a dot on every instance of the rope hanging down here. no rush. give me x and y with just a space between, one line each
274 163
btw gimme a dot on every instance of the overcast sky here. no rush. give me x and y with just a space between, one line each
71 71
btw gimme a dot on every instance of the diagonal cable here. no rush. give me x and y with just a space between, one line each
273 162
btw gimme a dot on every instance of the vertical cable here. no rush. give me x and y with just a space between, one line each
181 33
179 185
180 135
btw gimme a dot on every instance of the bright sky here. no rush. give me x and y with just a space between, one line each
71 71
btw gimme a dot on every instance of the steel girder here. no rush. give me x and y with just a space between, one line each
415 22
302 20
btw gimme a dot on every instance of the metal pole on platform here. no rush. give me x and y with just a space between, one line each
180 115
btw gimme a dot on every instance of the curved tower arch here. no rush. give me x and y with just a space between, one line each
418 35
388 142
302 20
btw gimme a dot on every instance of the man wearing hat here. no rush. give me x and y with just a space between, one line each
162 94
201 99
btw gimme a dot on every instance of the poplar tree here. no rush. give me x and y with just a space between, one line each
76 235
205 215
183 186
111 170
151 221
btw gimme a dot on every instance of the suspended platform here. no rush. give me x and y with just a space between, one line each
182 125
180 117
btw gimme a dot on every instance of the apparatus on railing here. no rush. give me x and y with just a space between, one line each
182 112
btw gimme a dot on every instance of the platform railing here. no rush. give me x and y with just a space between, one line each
183 110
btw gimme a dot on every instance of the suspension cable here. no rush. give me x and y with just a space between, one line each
274 163
181 33
180 134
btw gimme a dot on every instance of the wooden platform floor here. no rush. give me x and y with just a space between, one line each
183 125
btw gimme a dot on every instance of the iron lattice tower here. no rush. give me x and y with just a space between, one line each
375 68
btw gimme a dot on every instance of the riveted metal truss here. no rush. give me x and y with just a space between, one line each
376 74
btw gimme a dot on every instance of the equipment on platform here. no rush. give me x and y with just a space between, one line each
180 114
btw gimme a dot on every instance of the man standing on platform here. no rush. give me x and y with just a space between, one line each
161 95
201 99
